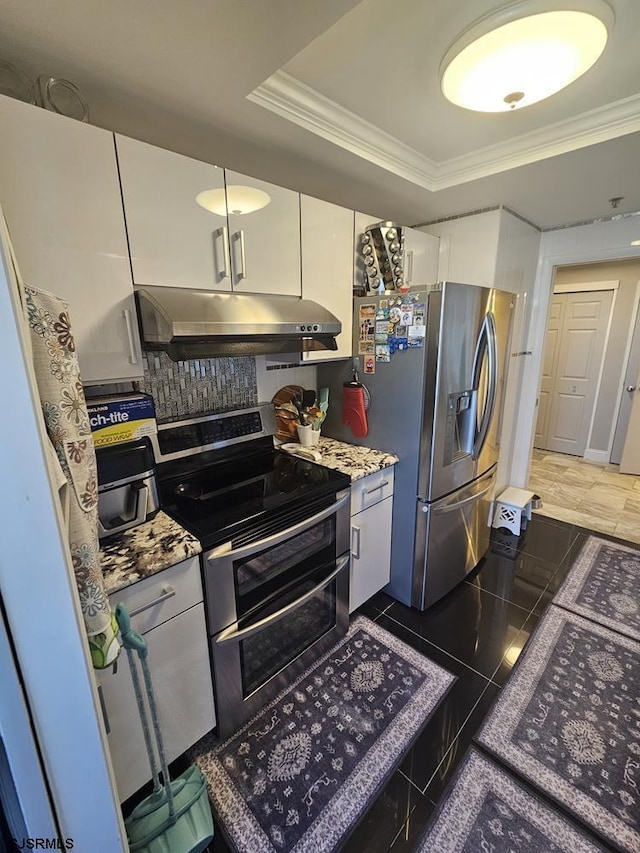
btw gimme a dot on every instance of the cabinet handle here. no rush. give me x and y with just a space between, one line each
375 488
409 271
133 355
167 592
355 542
103 707
242 272
224 234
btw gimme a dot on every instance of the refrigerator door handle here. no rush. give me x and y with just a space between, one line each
440 510
487 343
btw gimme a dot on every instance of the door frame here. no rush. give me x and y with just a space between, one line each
625 365
611 241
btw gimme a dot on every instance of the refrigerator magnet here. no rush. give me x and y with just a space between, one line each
382 352
369 364
401 331
418 330
382 327
395 314
366 347
406 317
367 312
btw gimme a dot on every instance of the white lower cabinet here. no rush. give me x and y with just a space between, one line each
181 673
371 538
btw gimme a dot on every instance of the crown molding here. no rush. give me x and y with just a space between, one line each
295 101
291 99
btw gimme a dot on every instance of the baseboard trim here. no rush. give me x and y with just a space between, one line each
601 456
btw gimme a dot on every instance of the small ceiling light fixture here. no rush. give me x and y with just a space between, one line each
635 243
524 53
237 200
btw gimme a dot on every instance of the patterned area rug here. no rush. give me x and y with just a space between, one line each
302 772
486 809
603 585
568 720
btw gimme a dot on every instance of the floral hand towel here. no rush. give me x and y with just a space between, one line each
65 413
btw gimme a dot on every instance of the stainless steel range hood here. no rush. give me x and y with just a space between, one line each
189 323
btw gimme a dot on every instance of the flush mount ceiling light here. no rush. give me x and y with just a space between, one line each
238 200
524 53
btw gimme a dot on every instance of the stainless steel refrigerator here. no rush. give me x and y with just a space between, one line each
438 406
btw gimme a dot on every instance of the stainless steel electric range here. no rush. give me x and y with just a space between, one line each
275 535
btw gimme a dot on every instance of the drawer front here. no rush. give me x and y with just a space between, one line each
154 600
181 674
371 490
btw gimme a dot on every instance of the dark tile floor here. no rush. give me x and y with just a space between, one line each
476 632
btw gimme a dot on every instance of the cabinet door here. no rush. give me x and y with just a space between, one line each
420 258
264 235
370 552
175 209
179 661
327 266
60 194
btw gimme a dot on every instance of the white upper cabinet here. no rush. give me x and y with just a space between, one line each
327 266
175 209
264 236
60 195
420 258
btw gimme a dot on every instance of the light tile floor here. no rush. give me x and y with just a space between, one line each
587 494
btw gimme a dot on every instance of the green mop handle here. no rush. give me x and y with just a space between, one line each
133 641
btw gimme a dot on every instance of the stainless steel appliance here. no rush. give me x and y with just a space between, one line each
127 491
438 407
188 323
275 536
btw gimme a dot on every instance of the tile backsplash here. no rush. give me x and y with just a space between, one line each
187 389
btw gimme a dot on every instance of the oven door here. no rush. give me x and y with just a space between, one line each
274 606
253 662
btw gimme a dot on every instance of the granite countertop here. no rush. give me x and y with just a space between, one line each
144 550
352 459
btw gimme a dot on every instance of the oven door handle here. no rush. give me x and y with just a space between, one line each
232 634
223 551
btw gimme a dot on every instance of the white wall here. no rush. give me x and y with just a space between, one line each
270 381
42 608
495 249
599 241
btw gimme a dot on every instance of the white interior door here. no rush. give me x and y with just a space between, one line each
630 459
549 367
573 364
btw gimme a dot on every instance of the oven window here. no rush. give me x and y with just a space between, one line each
267 652
273 571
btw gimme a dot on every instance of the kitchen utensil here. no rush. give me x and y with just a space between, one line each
303 452
287 418
309 398
175 817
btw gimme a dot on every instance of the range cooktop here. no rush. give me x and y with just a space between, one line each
238 489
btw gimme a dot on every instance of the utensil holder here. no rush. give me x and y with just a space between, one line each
307 435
